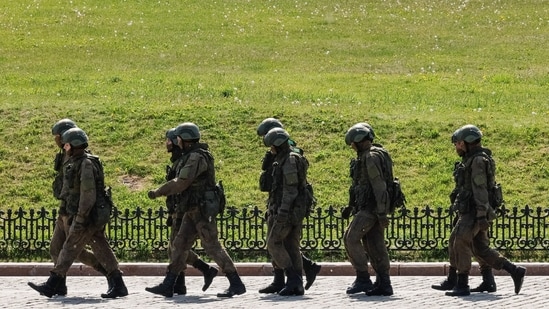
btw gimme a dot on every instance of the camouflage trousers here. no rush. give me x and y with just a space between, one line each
365 242
283 244
194 226
60 233
466 241
176 225
75 243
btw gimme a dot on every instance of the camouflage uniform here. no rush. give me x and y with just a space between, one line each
195 178
364 237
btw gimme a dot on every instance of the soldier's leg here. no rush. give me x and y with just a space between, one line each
380 259
278 279
179 287
481 246
357 229
105 256
450 282
464 232
294 282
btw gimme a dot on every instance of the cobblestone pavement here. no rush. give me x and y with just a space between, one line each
327 292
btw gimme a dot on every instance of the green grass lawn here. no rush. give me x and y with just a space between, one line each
126 71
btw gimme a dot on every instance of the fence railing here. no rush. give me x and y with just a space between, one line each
26 234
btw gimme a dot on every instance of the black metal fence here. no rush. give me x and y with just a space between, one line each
142 233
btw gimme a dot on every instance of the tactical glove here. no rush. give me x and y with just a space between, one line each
151 194
346 212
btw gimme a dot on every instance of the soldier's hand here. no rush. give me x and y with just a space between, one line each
151 194
483 223
346 213
77 227
383 220
282 216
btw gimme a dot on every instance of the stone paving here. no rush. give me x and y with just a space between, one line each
327 292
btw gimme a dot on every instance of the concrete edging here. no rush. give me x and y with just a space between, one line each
257 269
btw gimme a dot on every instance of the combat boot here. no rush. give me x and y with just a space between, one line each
362 283
517 273
382 287
488 283
179 287
166 287
462 286
118 288
104 272
236 286
48 288
61 289
276 285
449 283
311 270
208 272
294 283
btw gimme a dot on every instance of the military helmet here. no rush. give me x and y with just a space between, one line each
358 133
170 134
74 136
468 133
276 137
267 124
62 125
368 126
188 131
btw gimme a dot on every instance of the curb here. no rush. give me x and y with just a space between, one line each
258 269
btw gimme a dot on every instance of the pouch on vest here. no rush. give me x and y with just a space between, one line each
265 181
495 196
213 202
463 202
101 212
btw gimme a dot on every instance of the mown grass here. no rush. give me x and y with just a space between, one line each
127 71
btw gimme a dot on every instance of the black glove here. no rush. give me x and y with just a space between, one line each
169 221
282 216
151 194
383 220
483 223
346 212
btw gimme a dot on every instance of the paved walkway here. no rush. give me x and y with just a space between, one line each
411 291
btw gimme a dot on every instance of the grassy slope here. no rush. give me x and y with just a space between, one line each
416 70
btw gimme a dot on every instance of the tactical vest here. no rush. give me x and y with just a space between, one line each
275 195
462 196
204 182
72 182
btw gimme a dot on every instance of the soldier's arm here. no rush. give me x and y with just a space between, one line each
195 165
479 182
290 183
379 186
87 191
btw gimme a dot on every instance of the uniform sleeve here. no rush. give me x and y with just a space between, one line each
194 167
379 186
479 184
87 189
290 183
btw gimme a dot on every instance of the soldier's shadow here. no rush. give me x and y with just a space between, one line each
77 300
195 299
364 297
278 298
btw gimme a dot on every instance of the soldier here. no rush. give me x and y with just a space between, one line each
176 217
83 192
202 199
62 225
288 206
370 202
310 268
475 177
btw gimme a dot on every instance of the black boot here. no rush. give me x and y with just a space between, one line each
118 287
166 287
208 272
61 289
311 269
48 288
104 272
517 273
277 284
236 286
294 283
179 287
488 283
449 283
462 286
362 283
383 286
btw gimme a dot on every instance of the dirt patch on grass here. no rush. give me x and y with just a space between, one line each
134 183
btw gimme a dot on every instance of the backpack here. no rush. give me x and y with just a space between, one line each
102 210
397 199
